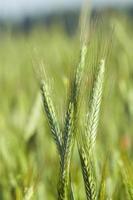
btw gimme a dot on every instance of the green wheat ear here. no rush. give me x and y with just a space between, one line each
87 140
94 107
50 113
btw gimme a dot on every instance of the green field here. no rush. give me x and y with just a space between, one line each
28 156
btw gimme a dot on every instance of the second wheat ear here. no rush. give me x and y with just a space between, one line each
87 141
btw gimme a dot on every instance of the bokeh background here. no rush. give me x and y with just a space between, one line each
36 31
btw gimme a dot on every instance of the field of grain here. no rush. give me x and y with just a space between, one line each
29 160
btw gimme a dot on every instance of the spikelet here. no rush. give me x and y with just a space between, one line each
93 115
87 172
49 110
64 182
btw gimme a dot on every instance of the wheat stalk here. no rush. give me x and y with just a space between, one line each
64 183
87 172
